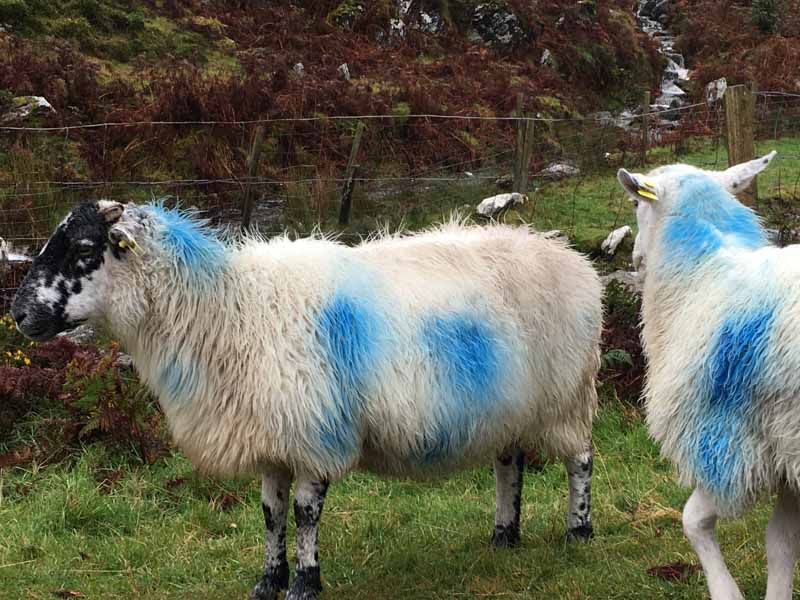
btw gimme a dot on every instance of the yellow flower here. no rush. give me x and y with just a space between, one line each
27 361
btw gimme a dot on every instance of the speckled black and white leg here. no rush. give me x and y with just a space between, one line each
275 504
508 485
579 511
309 497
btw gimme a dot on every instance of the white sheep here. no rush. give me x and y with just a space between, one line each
722 337
405 356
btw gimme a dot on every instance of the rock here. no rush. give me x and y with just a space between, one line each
8 255
614 239
426 20
397 28
124 361
299 69
630 280
715 90
504 182
82 334
496 25
560 170
26 106
648 8
774 236
493 205
555 234
547 58
344 71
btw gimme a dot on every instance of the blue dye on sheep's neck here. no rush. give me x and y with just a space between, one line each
704 219
195 248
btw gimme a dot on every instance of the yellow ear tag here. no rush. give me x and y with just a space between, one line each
647 188
131 246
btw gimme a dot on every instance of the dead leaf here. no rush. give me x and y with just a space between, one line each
107 482
67 594
678 571
226 502
171 484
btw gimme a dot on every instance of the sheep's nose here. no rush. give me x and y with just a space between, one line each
18 316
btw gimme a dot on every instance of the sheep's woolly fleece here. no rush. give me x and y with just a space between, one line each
721 314
405 355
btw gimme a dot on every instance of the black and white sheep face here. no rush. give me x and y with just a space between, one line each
67 282
653 194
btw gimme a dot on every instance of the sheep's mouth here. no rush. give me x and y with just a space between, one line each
38 334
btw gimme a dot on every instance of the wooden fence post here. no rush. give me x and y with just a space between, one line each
740 107
525 137
645 126
252 171
349 183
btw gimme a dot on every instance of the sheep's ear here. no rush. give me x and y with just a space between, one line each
739 177
122 238
638 186
111 211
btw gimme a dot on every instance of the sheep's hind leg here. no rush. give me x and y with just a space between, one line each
783 545
699 521
309 497
508 484
275 504
579 509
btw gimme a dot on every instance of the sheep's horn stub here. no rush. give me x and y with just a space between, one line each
110 210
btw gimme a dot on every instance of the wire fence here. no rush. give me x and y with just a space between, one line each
413 168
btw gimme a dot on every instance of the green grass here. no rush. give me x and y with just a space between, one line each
379 538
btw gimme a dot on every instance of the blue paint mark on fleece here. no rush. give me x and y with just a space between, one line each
704 218
733 375
178 380
467 358
350 330
193 244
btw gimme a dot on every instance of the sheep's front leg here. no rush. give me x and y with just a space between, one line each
699 522
275 504
309 496
579 508
508 485
783 545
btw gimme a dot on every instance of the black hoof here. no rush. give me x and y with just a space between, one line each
582 533
306 585
505 537
271 584
263 592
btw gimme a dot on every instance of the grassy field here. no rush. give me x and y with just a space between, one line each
112 530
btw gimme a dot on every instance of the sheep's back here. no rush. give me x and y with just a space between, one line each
403 355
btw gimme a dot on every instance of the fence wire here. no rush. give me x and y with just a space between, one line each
413 164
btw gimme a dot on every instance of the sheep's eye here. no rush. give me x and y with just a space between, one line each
85 251
635 203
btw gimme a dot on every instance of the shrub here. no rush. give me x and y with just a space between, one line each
16 13
768 14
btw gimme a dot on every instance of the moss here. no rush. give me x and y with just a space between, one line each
469 139
346 14
73 28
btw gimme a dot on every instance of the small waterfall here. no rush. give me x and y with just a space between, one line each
652 16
